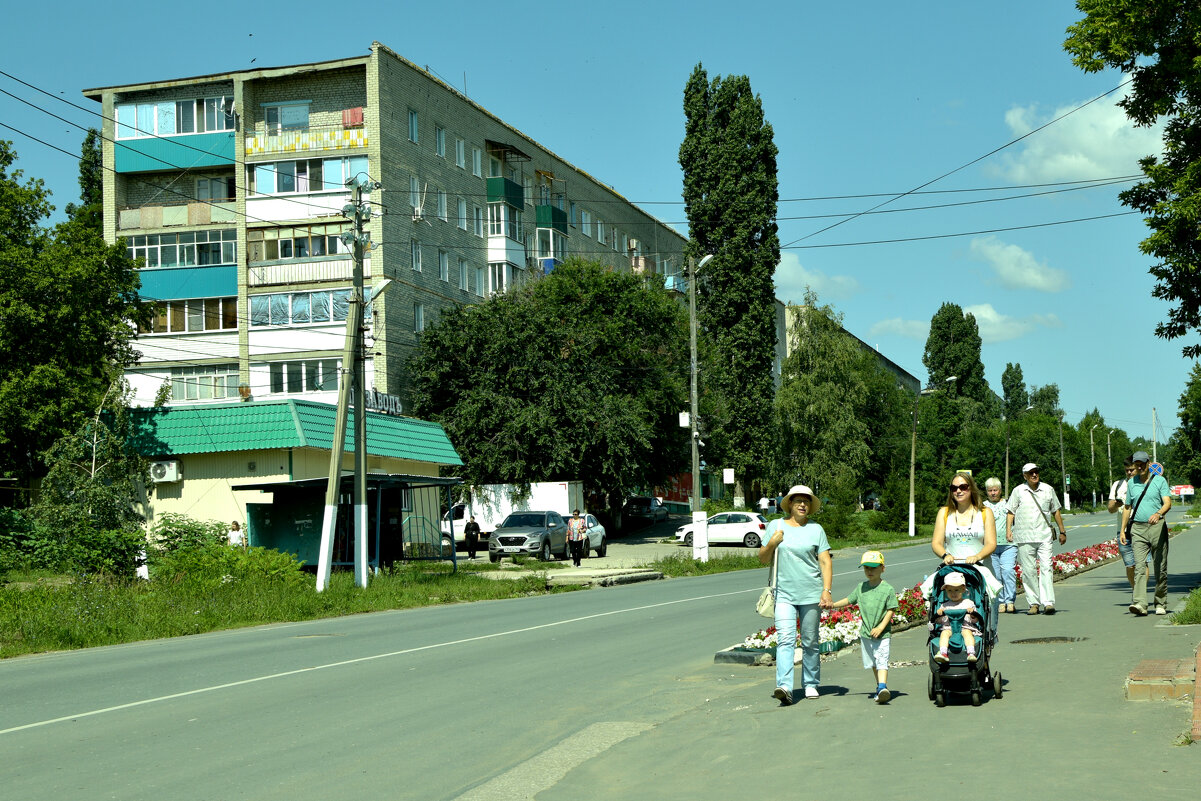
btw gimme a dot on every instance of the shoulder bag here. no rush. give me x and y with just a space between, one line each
1134 509
766 605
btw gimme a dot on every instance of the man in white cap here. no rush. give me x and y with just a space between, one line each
1032 507
1144 526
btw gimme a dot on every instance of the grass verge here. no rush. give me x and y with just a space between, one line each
1191 614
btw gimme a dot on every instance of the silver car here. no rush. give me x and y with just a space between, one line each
542 534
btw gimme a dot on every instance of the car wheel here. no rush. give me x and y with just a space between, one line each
545 555
751 540
448 545
603 548
688 539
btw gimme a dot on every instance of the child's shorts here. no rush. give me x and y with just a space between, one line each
875 652
970 623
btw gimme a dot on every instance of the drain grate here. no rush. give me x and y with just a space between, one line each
1045 640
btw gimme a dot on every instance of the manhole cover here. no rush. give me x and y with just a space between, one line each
1042 640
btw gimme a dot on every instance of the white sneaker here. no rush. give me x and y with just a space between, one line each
811 692
1160 609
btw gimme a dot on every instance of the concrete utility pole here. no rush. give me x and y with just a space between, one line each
1154 421
353 369
1093 463
697 502
1109 455
1063 470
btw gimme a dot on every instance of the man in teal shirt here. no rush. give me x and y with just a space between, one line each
1145 528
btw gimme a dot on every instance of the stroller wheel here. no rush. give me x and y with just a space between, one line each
976 700
996 685
930 687
940 699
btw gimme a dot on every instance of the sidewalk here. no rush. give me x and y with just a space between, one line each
1064 726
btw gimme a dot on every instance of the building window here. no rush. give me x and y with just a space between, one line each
188 249
462 273
415 253
316 375
215 189
571 218
307 175
300 308
196 314
171 117
463 219
586 223
479 281
206 382
287 117
477 162
527 189
442 212
478 217
504 220
299 242
496 277
418 318
412 125
414 192
444 265
460 153
440 141
600 231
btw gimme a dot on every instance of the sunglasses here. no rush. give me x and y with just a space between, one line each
960 487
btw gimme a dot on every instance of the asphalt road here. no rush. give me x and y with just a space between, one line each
488 700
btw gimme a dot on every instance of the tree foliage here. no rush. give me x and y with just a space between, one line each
1187 439
1158 43
90 211
577 375
1016 398
953 349
730 194
1045 399
67 301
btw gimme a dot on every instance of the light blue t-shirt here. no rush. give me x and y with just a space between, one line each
1000 516
798 572
1157 488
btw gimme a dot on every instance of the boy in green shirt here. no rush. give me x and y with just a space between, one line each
877 600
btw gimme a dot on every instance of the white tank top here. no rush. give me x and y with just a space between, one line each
964 541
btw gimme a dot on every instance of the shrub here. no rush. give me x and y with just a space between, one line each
210 565
173 532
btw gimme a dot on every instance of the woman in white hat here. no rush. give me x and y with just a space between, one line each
804 574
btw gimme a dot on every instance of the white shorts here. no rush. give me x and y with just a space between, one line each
875 652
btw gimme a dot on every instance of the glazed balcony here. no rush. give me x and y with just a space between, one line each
313 138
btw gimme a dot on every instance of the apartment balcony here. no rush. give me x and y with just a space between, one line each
548 216
303 272
178 214
174 152
502 190
314 138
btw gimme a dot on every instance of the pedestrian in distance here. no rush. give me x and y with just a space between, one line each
471 533
236 536
577 537
804 575
954 585
1115 505
1032 506
964 530
1005 556
877 602
1145 527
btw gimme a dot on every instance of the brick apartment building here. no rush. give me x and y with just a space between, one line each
231 188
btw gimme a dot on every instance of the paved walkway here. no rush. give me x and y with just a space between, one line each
1064 727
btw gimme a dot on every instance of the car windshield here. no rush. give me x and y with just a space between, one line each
523 519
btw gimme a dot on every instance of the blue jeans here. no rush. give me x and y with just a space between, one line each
786 628
1003 560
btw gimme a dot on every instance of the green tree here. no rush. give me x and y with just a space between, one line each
1045 399
1187 438
1157 43
953 349
577 375
1013 386
90 210
730 193
66 303
822 434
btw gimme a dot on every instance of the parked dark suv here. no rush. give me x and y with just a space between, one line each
523 533
651 509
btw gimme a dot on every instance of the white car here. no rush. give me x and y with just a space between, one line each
730 528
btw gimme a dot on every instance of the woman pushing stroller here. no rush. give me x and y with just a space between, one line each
964 530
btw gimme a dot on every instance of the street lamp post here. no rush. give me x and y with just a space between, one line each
913 452
693 403
1093 464
1063 470
1109 456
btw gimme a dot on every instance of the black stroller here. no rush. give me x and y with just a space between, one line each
957 674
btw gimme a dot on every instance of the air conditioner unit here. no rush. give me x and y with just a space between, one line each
165 472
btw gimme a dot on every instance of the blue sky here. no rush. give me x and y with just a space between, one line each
871 99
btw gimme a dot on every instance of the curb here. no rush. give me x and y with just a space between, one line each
1195 734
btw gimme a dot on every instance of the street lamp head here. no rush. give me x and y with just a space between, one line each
704 260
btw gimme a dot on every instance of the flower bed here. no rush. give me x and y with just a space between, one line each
840 627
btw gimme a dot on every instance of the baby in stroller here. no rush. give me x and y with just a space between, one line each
956 608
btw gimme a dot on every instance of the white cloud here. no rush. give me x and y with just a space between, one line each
910 329
792 277
1098 141
997 327
1017 268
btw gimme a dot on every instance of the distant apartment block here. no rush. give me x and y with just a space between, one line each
230 187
